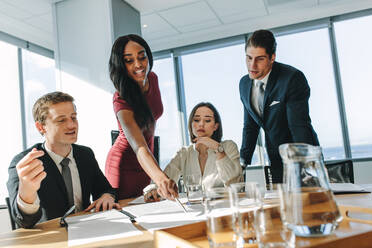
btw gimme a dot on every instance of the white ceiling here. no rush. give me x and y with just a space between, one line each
174 23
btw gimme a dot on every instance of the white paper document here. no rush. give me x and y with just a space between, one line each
165 214
100 226
138 200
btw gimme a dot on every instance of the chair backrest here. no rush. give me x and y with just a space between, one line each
268 177
340 171
12 222
157 148
115 134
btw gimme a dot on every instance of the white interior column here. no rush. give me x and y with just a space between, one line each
84 32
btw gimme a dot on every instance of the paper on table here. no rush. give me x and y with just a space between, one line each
138 200
141 200
165 206
164 214
99 226
166 220
347 188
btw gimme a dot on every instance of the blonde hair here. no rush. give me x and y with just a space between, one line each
40 109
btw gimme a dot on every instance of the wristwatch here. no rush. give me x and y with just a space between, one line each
220 149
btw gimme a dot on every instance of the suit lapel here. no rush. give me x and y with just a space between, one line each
79 159
270 83
52 171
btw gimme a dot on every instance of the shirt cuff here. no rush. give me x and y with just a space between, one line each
28 208
149 187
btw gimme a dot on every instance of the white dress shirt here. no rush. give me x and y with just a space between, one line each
76 186
217 173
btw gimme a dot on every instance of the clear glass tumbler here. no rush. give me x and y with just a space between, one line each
219 218
245 198
194 189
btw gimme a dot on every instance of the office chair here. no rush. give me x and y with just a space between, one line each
268 177
340 171
115 134
12 222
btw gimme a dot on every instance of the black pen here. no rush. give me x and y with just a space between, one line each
131 216
63 222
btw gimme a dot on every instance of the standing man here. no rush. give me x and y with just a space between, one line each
275 97
48 178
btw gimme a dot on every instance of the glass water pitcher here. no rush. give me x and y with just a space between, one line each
308 202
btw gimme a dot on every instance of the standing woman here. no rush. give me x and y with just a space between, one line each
130 163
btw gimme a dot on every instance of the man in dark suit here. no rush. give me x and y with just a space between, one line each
275 97
48 178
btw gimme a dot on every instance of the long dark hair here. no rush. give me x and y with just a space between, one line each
128 89
217 134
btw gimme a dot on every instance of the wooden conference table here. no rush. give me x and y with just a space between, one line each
50 234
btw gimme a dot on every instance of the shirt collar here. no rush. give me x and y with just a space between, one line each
58 158
264 80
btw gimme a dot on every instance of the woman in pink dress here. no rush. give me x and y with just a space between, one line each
130 163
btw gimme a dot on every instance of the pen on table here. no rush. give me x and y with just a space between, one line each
131 216
63 222
178 201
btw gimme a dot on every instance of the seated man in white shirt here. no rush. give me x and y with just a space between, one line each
48 178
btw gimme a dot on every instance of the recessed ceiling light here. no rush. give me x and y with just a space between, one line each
145 25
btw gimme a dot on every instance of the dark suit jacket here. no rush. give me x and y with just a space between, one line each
52 192
285 117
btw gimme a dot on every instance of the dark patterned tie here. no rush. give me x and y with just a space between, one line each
260 96
66 174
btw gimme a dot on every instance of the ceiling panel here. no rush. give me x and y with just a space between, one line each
231 7
12 11
195 13
243 16
36 7
148 6
160 34
43 22
276 6
25 31
154 23
173 23
200 26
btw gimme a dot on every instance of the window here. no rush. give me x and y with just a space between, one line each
38 79
168 126
353 45
310 52
11 124
213 76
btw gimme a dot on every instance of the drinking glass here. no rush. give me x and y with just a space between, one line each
308 203
194 190
219 218
270 229
245 198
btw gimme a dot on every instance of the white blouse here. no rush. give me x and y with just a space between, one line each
217 173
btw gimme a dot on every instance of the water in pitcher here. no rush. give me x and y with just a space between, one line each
318 214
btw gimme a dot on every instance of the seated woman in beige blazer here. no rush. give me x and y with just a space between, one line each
218 162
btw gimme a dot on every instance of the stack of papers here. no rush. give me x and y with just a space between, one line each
85 229
165 214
